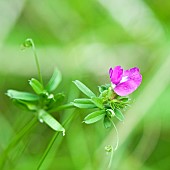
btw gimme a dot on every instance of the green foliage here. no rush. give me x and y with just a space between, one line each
44 116
108 103
94 117
14 94
107 123
42 101
119 114
36 86
83 88
54 81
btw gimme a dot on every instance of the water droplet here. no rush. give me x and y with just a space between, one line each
41 120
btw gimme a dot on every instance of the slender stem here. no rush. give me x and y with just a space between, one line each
116 146
36 59
16 140
48 149
62 107
117 135
52 142
110 161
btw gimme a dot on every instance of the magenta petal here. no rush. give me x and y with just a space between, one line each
131 84
116 74
125 88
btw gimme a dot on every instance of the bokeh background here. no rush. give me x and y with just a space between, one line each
84 39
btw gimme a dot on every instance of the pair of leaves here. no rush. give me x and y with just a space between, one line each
37 87
93 102
51 86
87 103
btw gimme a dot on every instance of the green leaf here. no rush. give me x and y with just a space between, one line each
83 101
84 106
50 121
119 114
54 81
22 95
107 122
98 102
37 86
94 117
84 89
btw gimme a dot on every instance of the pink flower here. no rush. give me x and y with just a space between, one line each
124 82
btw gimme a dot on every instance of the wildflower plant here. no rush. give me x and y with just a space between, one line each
43 99
112 99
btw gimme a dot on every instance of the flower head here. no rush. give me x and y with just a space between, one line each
124 82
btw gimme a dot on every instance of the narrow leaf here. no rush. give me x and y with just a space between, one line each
54 81
36 85
83 101
84 106
50 121
119 114
84 89
22 95
98 102
94 116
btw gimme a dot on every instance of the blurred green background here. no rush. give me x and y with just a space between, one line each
84 39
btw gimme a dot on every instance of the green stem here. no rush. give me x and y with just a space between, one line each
26 129
48 149
62 107
36 59
117 135
116 146
110 161
52 142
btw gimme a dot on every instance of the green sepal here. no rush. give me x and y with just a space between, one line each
107 122
94 117
98 102
112 104
119 114
56 101
124 100
102 88
83 88
45 117
54 81
36 86
14 94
